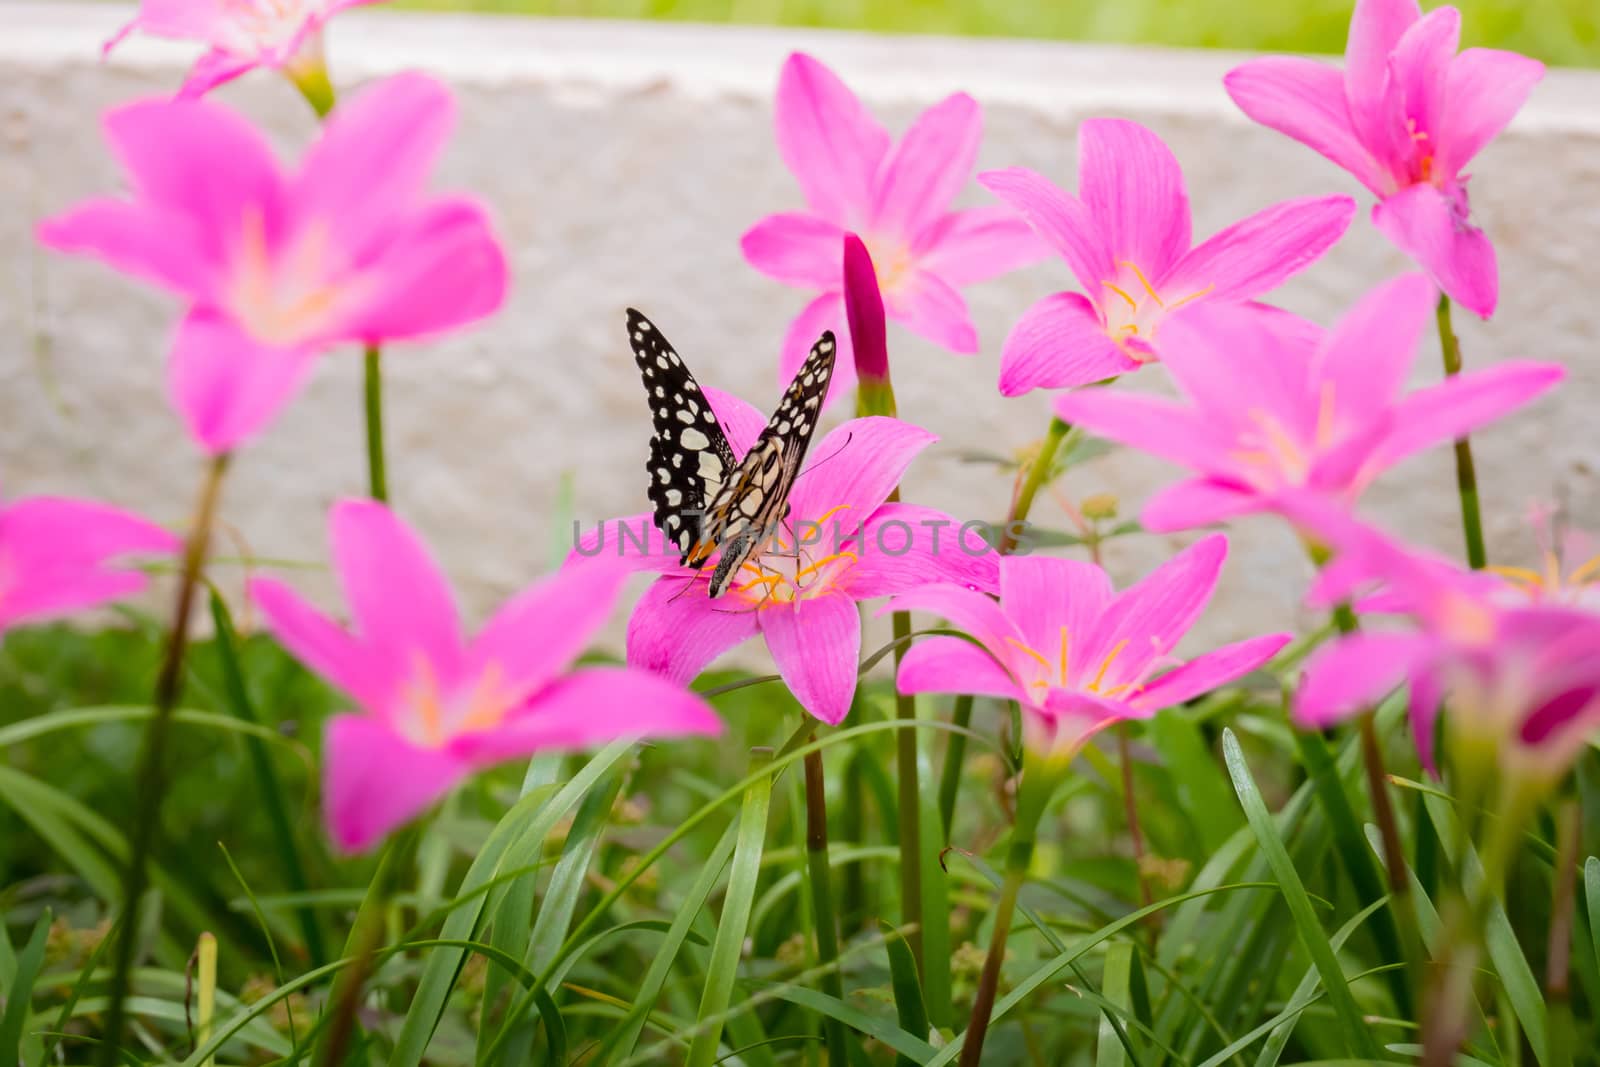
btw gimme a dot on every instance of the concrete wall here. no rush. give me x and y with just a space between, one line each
624 160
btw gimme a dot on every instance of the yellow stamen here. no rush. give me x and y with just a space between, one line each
1190 298
823 562
765 579
1024 648
1325 412
1134 304
1131 328
826 515
1137 273
1094 686
1533 579
1586 571
1066 655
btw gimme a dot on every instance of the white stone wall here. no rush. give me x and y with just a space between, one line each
624 160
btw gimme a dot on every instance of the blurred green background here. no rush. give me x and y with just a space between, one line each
1565 32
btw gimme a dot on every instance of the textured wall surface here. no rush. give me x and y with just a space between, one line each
623 161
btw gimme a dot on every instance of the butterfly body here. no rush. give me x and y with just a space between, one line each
706 499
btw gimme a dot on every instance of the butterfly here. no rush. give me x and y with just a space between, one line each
704 497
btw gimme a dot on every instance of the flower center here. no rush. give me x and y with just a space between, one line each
779 575
281 299
1135 310
432 714
1042 673
266 23
1276 453
892 260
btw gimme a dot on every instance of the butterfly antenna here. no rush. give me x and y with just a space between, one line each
832 456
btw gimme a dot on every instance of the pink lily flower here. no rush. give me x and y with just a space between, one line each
1520 675
277 267
241 35
437 707
1274 411
897 199
59 555
843 544
1126 238
1072 651
1404 117
1569 564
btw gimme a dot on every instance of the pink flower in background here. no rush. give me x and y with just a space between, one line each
240 34
1521 676
1404 117
854 547
277 266
437 707
1272 413
1077 655
1568 570
897 199
1126 238
59 555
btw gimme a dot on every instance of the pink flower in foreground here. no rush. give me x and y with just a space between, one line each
1520 677
436 706
1126 238
853 547
1272 414
278 266
240 34
1076 654
897 199
1405 116
59 555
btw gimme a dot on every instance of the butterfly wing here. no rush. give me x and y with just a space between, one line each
689 452
755 497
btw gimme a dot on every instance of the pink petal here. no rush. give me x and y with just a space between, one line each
676 631
177 19
1152 615
151 244
928 167
966 609
740 421
1069 718
226 385
1234 362
1353 673
1060 219
372 162
865 318
321 644
1460 405
965 247
795 248
1196 502
1305 100
591 706
1433 229
1153 424
1422 707
1263 251
1053 601
1420 64
954 665
929 307
374 780
936 549
1375 30
826 312
854 469
42 597
215 67
400 602
440 269
203 161
1132 186
59 555
1484 90
828 140
816 644
1366 358
1060 342
539 632
1204 673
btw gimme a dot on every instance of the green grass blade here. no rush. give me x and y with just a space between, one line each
735 917
908 1046
1591 895
1312 936
19 992
908 1005
1116 985
936 948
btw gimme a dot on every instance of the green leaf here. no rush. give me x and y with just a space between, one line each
906 1045
19 992
1591 893
1116 985
735 917
1312 936
907 987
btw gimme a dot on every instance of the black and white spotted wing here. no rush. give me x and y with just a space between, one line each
689 453
755 497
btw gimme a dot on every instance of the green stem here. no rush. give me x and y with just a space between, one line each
909 797
822 899
1038 473
1400 904
150 783
955 754
1558 958
366 936
1130 807
1466 472
377 469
